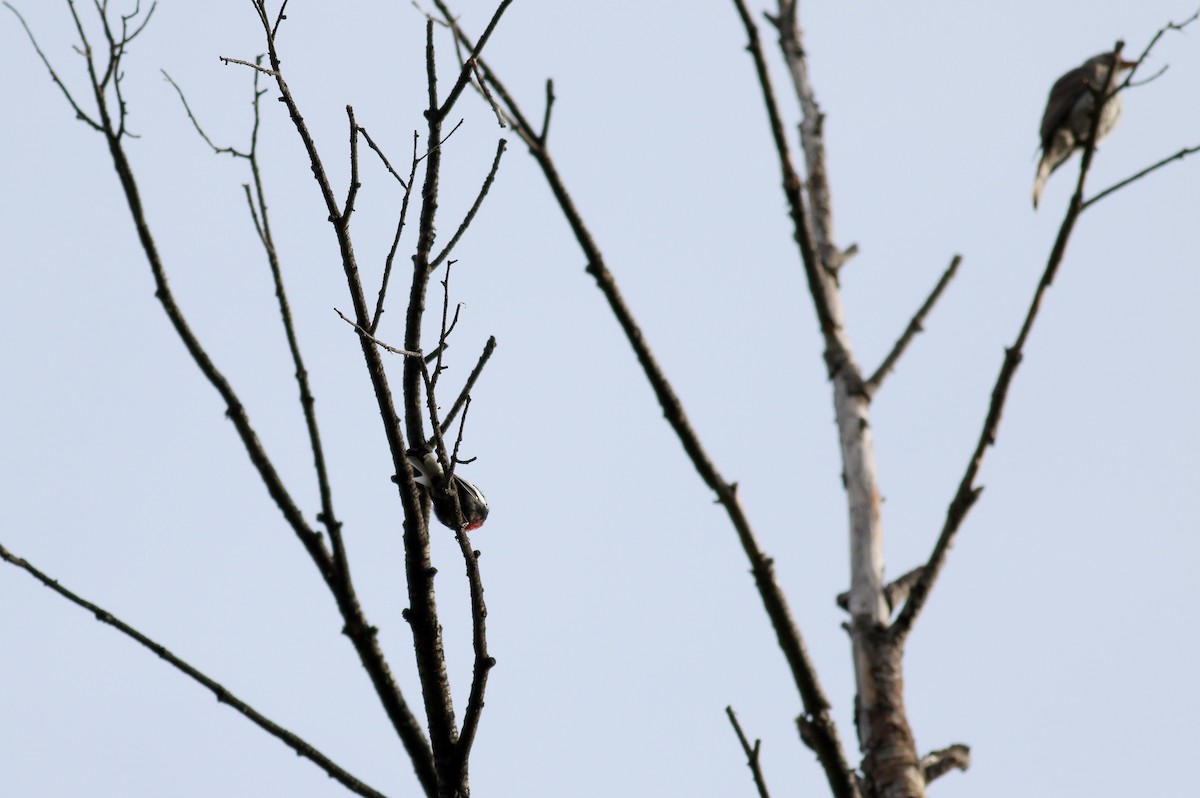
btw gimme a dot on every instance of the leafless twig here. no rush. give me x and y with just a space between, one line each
465 394
259 67
752 754
915 326
391 257
385 347
1179 156
224 696
470 217
62 87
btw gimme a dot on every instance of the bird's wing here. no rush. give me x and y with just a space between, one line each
1063 97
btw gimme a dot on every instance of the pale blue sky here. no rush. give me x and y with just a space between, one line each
1059 643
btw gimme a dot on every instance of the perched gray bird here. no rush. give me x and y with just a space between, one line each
428 474
1068 117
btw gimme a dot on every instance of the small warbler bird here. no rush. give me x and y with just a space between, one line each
429 475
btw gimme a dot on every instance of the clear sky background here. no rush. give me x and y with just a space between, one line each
1059 643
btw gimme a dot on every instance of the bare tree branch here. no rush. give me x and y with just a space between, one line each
224 696
803 671
1150 45
385 347
465 393
1179 156
352 190
386 163
792 189
483 661
940 762
391 257
752 754
468 68
256 200
279 18
257 67
549 107
915 326
79 113
812 136
968 493
470 217
218 150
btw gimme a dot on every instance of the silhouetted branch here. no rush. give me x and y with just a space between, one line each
352 189
968 493
468 67
386 163
256 199
62 87
224 696
470 217
915 326
792 190
1179 156
387 268
752 754
465 394
549 107
483 661
196 123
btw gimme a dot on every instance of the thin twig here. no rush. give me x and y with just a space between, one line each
196 123
256 201
279 19
470 217
465 394
442 347
549 107
1179 156
752 754
914 326
352 191
224 696
62 87
437 147
467 69
391 257
479 82
227 61
445 330
386 347
1170 26
386 163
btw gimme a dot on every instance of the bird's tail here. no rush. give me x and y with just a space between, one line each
1039 182
425 466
